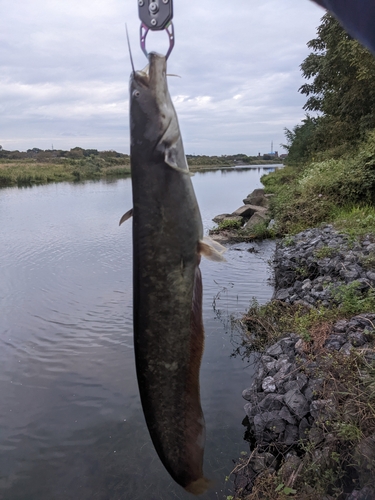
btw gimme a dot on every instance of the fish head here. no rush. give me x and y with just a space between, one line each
154 126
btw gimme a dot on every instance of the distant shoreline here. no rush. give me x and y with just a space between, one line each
35 166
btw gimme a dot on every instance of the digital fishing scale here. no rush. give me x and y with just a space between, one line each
156 15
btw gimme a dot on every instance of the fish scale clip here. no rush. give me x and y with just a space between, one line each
156 15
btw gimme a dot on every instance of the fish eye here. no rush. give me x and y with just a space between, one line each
136 93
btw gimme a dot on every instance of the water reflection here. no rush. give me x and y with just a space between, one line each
71 418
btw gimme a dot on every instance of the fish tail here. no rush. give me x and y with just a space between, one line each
199 486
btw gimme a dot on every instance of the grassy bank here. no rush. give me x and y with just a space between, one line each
28 173
337 188
41 167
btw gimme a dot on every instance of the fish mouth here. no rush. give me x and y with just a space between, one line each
154 73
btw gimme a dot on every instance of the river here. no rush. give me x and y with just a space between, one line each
71 424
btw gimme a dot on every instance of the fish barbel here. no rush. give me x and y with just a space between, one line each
167 284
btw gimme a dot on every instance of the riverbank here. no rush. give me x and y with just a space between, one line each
310 412
30 172
36 166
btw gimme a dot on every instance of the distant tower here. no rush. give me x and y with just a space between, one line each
271 147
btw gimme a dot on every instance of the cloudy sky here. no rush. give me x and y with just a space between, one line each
64 71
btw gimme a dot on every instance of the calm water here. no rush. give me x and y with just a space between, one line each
71 425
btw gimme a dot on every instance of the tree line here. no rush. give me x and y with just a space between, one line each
340 90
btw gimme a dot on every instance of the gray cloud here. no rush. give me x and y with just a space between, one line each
64 71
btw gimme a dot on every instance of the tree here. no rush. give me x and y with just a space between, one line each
342 89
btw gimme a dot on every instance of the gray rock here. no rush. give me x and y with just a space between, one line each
340 326
357 338
370 275
255 219
282 294
290 466
291 434
322 409
316 435
268 385
291 384
268 420
313 388
296 403
246 211
271 402
346 349
261 461
366 493
270 368
220 218
248 394
365 459
349 275
285 414
251 410
304 428
335 342
275 350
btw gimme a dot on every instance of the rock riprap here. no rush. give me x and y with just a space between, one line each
285 404
309 266
239 224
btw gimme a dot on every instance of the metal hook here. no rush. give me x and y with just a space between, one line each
143 34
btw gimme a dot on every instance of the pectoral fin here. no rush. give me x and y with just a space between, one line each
212 250
126 216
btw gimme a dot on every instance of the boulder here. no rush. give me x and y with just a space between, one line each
247 211
257 197
220 217
255 219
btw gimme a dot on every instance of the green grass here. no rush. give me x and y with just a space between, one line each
333 190
28 173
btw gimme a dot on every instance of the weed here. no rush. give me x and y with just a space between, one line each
351 300
324 252
368 262
229 224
